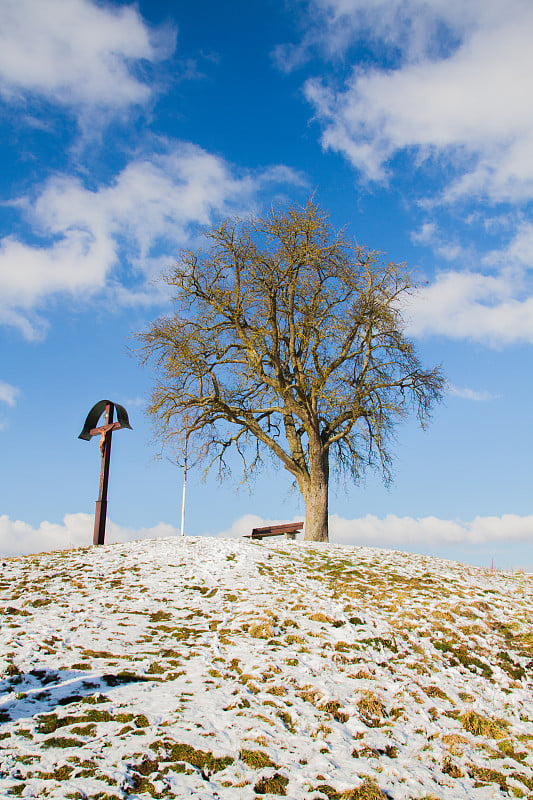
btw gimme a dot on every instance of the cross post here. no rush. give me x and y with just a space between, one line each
100 516
105 432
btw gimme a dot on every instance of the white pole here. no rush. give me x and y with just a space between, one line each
183 498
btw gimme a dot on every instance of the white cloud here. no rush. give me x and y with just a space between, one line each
141 219
454 95
470 305
401 532
20 538
76 530
415 27
77 53
428 234
398 532
8 393
467 101
471 394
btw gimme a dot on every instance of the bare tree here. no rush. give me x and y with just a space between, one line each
288 338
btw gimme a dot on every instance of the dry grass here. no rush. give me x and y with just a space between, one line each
483 726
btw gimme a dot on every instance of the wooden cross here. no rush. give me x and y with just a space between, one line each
105 432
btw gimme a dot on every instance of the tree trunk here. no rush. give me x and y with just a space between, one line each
315 494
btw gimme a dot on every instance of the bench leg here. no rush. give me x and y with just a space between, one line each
290 536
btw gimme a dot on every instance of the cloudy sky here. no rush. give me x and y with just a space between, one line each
126 128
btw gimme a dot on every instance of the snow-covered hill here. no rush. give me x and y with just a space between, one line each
213 668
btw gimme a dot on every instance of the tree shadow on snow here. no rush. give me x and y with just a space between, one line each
44 690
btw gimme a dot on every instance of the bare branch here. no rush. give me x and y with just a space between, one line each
288 339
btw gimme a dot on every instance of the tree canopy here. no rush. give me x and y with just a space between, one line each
287 337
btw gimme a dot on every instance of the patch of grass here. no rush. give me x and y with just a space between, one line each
434 691
506 747
257 759
261 630
371 709
201 759
287 720
455 743
276 784
483 726
9 610
451 769
319 617
291 638
514 670
278 691
96 698
147 766
59 774
155 669
61 742
460 654
48 723
85 730
332 707
523 779
42 601
123 717
16 791
484 776
368 790
159 616
380 643
329 791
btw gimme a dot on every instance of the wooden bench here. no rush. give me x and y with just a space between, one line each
289 530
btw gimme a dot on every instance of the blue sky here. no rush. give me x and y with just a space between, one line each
126 128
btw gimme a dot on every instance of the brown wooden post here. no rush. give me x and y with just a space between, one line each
105 432
100 515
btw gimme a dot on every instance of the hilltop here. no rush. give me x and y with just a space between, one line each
219 668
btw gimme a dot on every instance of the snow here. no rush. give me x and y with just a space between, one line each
132 670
